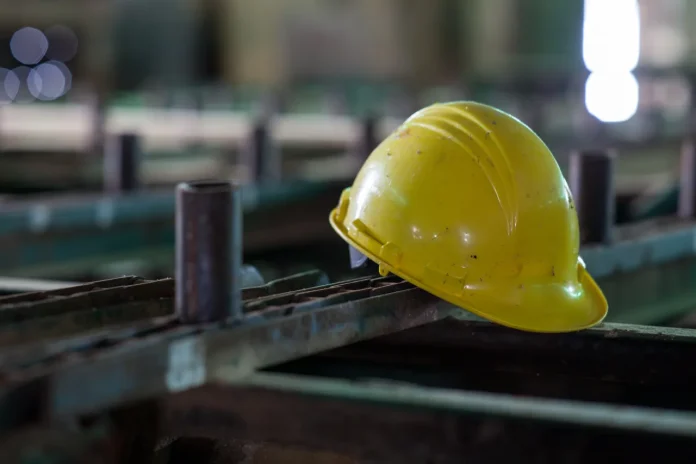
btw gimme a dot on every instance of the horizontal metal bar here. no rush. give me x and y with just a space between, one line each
378 421
67 127
150 241
79 288
171 358
60 312
637 246
599 415
28 318
159 357
102 294
19 285
594 365
102 212
642 245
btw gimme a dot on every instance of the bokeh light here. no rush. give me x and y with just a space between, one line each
9 86
28 45
612 96
611 50
49 81
62 43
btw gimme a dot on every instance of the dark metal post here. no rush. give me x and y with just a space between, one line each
687 180
368 137
208 251
592 184
121 163
259 155
366 144
98 133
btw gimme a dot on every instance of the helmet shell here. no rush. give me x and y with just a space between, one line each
468 203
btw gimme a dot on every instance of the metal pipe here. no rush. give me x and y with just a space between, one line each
256 149
259 154
208 251
122 163
592 184
368 137
98 130
687 180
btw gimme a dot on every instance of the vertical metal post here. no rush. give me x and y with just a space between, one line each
687 180
368 137
98 135
592 184
366 144
122 163
259 154
208 251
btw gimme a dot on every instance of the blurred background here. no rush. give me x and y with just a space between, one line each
106 104
186 73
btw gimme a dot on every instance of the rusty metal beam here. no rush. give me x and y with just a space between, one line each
33 317
154 358
157 357
386 328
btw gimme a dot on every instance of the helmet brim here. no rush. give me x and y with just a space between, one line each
544 308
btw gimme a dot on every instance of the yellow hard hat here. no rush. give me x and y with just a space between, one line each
466 202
